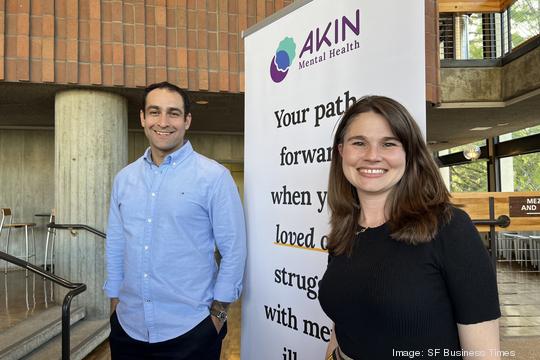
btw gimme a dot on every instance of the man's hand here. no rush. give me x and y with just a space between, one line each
217 323
218 306
114 302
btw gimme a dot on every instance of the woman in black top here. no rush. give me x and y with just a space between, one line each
408 276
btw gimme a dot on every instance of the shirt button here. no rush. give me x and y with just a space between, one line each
147 300
174 163
153 194
145 275
149 220
146 247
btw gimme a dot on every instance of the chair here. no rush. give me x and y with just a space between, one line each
51 237
7 223
505 246
534 241
520 248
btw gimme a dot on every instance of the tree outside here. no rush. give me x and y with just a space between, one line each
469 177
472 176
526 168
525 20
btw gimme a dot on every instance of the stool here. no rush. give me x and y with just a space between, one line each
51 237
519 244
505 246
7 216
535 250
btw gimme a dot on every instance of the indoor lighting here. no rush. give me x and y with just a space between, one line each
472 152
201 102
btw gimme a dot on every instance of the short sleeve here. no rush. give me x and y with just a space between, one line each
468 271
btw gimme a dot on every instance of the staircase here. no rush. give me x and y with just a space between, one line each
39 337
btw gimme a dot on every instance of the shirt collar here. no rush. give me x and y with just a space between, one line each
174 158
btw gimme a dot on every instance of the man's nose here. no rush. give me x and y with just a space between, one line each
163 120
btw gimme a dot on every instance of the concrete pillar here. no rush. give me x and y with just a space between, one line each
90 148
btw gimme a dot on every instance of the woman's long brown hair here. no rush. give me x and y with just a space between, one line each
418 203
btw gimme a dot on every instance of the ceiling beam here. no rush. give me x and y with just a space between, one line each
473 6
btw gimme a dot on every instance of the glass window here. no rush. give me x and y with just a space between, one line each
457 149
520 133
469 177
525 20
504 38
520 173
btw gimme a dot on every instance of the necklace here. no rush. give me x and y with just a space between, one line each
362 229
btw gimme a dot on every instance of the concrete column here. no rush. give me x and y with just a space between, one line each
90 148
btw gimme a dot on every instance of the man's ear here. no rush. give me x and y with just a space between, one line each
141 116
187 121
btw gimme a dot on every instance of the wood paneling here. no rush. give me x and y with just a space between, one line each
474 5
477 206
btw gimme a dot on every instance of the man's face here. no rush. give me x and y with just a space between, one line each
164 122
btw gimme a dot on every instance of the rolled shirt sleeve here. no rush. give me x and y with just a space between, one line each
228 224
114 249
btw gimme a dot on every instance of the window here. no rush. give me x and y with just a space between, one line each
520 173
460 148
524 20
470 177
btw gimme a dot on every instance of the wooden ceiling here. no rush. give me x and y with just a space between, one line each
475 6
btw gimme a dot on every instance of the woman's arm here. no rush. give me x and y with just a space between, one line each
483 337
332 344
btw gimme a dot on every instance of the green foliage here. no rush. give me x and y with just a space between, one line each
527 172
475 37
525 20
470 177
527 167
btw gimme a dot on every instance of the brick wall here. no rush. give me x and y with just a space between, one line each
193 43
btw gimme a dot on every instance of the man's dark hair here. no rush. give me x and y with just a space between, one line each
170 87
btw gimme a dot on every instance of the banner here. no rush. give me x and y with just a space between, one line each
303 68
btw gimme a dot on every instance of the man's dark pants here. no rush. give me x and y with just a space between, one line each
200 343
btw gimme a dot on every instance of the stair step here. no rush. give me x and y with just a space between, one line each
85 336
22 338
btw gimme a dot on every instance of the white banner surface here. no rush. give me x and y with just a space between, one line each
302 71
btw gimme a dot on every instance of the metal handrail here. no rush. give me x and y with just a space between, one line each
76 289
502 221
77 227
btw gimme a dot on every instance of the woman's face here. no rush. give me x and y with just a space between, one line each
373 157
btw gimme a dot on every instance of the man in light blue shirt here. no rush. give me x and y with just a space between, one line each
169 210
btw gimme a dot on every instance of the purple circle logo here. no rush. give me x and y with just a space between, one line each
281 62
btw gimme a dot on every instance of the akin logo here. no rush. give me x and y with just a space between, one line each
281 62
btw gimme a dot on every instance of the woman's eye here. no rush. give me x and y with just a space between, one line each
389 144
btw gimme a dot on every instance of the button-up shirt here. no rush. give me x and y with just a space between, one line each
164 224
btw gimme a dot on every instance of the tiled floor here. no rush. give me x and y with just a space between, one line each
519 291
519 295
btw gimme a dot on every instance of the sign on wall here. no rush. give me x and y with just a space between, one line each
302 71
524 206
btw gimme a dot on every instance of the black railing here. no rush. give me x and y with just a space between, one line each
76 289
502 221
77 227
52 225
